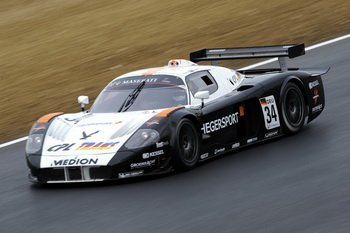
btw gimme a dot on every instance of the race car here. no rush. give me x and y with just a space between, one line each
169 118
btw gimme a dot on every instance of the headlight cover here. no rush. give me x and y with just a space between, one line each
34 143
142 138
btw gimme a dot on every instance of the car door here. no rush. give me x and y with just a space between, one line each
220 114
231 120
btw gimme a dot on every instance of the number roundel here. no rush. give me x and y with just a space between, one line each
270 111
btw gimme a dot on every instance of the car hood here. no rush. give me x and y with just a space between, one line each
89 137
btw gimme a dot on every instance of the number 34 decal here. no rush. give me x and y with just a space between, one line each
269 108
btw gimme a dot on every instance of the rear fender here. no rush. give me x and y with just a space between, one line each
315 95
316 71
302 88
299 83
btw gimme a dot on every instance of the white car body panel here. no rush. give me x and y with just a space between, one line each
104 134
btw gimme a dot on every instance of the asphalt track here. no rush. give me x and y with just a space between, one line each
293 184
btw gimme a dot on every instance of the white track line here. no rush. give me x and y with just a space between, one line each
13 142
243 68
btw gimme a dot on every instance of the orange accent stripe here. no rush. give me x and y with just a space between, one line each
241 111
48 117
166 112
152 71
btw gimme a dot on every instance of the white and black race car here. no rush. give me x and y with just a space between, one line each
156 120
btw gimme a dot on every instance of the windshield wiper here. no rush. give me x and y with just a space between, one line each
131 97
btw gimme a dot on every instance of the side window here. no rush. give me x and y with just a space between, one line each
201 81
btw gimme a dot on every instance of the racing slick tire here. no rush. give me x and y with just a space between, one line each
187 145
293 108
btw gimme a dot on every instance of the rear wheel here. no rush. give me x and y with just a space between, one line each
187 145
293 108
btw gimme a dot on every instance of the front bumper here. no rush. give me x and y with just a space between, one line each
118 168
71 174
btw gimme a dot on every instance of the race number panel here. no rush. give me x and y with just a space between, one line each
269 108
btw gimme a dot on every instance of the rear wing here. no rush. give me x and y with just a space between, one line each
280 51
312 71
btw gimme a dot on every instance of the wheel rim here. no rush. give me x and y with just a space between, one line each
188 144
294 107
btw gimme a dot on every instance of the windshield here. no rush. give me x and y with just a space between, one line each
159 91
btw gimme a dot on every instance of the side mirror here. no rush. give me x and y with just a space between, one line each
82 100
202 95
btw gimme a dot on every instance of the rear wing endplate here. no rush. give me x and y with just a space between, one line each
280 51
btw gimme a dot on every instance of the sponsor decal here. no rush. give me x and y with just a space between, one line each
216 151
283 66
269 108
250 140
130 174
317 108
100 124
204 156
236 145
39 127
135 81
154 122
74 162
61 147
216 50
271 134
234 79
85 136
152 154
165 80
96 146
148 163
316 95
313 84
221 123
162 144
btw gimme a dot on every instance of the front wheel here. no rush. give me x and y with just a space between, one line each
187 145
293 108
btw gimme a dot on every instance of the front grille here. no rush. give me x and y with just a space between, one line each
52 174
100 172
74 174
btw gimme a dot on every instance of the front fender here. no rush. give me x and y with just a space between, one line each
176 117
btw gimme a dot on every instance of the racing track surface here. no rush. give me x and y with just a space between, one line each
292 184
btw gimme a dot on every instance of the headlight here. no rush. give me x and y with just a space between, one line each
34 143
142 137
